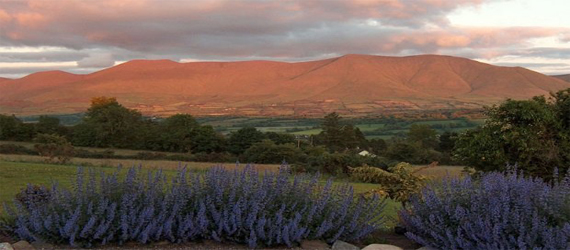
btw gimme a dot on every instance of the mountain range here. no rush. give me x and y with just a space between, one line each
352 84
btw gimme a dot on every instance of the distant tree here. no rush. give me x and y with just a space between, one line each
207 140
534 134
242 139
50 125
108 124
280 138
9 127
377 146
13 129
446 144
411 152
423 135
267 151
178 132
337 137
332 132
56 148
403 151
447 141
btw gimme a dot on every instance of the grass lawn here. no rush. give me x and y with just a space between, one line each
16 171
14 176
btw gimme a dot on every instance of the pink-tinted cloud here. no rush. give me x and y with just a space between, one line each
280 29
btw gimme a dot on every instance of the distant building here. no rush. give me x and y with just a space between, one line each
366 153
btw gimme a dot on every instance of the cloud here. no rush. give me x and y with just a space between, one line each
97 61
96 33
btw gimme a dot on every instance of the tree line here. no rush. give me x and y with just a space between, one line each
532 134
108 124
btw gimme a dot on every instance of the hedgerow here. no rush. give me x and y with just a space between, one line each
242 206
497 211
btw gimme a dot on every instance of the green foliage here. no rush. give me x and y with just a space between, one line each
267 151
49 125
242 139
533 134
377 146
56 148
423 135
338 137
332 130
108 124
280 138
318 159
399 182
16 149
13 129
179 131
208 141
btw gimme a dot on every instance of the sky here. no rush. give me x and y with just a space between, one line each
83 36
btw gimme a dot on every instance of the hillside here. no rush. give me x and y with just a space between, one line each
563 77
352 84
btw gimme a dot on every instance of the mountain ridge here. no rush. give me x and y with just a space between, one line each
352 84
563 77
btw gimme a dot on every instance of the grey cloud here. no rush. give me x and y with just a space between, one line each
97 61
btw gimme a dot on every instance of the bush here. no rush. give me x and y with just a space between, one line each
105 154
499 211
213 157
223 205
33 195
267 151
318 160
145 155
54 147
16 149
533 134
399 182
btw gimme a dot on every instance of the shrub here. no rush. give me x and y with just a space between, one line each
223 205
33 195
533 134
213 157
499 211
267 151
145 155
399 182
54 147
16 149
105 154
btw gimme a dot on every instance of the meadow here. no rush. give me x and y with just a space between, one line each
17 171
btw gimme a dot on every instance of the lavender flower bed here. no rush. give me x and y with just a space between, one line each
223 205
499 211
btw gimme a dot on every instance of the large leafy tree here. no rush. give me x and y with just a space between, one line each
108 124
423 135
533 134
49 125
178 131
9 127
339 137
242 139
332 132
13 129
207 140
267 151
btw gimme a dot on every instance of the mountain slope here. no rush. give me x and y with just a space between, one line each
352 84
563 77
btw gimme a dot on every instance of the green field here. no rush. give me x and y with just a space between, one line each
372 128
16 173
